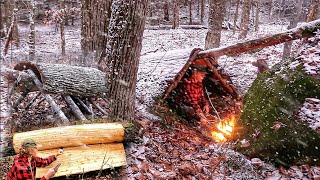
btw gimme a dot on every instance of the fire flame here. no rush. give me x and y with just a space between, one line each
225 128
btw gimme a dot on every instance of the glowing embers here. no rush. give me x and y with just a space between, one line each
224 129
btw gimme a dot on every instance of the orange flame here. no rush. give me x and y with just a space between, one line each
225 129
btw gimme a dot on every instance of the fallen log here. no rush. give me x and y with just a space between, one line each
68 80
70 136
82 159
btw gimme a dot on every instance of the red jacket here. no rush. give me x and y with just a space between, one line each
191 93
23 169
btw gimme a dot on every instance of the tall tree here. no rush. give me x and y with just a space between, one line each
190 11
313 10
2 31
62 22
122 55
95 16
244 25
166 10
294 19
256 26
176 12
202 10
32 35
9 7
236 17
216 16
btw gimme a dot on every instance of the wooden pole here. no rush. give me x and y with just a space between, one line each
74 108
98 107
50 100
306 30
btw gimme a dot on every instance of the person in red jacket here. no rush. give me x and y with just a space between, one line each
25 163
189 100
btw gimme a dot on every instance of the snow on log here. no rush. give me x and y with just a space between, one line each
305 30
68 80
81 159
70 136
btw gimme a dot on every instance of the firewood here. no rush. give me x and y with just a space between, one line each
76 160
69 136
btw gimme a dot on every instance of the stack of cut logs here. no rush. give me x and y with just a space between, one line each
88 147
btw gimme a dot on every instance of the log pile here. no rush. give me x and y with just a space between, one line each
88 147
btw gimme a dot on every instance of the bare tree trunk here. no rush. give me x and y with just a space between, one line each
95 16
256 26
313 10
32 35
9 37
62 24
293 23
5 115
202 10
122 56
216 15
176 13
244 25
190 12
236 17
166 10
2 31
9 11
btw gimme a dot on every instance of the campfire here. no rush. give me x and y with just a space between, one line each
224 129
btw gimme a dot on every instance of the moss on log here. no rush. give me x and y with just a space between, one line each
274 97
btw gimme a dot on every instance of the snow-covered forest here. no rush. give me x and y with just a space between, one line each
97 77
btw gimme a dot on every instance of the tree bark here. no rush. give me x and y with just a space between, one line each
122 55
216 15
313 10
176 16
244 25
95 17
236 17
32 35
